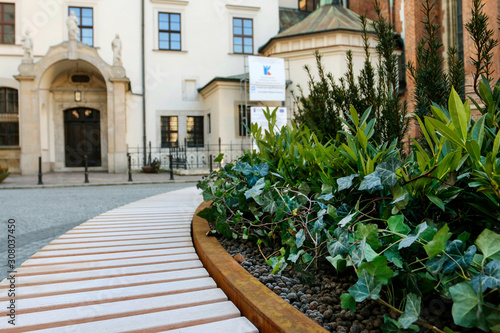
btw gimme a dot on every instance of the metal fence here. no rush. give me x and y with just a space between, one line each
185 157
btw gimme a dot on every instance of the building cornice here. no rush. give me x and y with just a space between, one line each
247 8
172 2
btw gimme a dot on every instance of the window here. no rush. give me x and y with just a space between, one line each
242 36
195 131
169 132
244 120
9 122
209 120
85 23
7 23
308 5
169 31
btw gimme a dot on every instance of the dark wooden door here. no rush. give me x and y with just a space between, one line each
82 135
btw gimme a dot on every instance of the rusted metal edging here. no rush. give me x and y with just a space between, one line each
266 310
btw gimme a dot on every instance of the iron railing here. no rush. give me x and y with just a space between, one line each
187 158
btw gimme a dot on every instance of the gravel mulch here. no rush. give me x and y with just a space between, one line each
318 295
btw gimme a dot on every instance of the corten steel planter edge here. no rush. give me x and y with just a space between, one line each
266 310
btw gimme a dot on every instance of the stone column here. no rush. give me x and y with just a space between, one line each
117 126
29 125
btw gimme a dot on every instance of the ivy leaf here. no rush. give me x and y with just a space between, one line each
369 254
489 244
455 250
438 243
300 237
219 158
396 224
371 183
358 253
345 183
378 269
261 170
346 219
438 202
348 302
343 210
408 241
224 229
271 207
208 194
341 245
412 311
326 197
490 279
244 168
467 306
394 256
293 257
366 287
386 171
370 232
392 326
256 190
335 261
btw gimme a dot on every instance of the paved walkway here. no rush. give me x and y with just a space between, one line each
132 269
71 179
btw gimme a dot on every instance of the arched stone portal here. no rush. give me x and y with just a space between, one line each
71 76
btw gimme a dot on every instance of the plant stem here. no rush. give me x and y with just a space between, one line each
419 321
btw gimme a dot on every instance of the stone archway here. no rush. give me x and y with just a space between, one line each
44 97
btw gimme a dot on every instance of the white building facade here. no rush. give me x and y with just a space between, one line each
165 73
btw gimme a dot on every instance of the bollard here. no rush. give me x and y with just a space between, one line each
211 168
171 167
129 168
40 182
86 169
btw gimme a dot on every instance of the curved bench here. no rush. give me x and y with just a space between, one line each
132 269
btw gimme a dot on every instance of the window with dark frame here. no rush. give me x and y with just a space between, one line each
244 120
7 23
209 121
195 131
242 35
9 121
169 31
308 5
85 17
169 132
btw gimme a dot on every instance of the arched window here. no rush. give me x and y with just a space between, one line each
9 117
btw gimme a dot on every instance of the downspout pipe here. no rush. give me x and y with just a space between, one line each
143 49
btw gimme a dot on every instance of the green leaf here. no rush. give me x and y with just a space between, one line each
335 261
488 243
366 287
370 255
438 202
457 114
473 149
446 132
293 257
396 224
409 240
300 237
386 171
392 326
412 311
224 229
345 183
219 158
371 183
354 116
378 269
304 188
464 259
348 302
394 256
490 279
467 306
256 190
370 232
438 243
243 168
341 245
346 219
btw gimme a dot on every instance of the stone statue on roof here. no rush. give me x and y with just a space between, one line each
72 24
27 45
116 45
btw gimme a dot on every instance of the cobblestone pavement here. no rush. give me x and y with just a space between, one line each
43 214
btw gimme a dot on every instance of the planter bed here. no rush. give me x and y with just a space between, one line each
316 296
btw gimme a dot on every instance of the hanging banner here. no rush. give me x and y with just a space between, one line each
257 117
267 79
